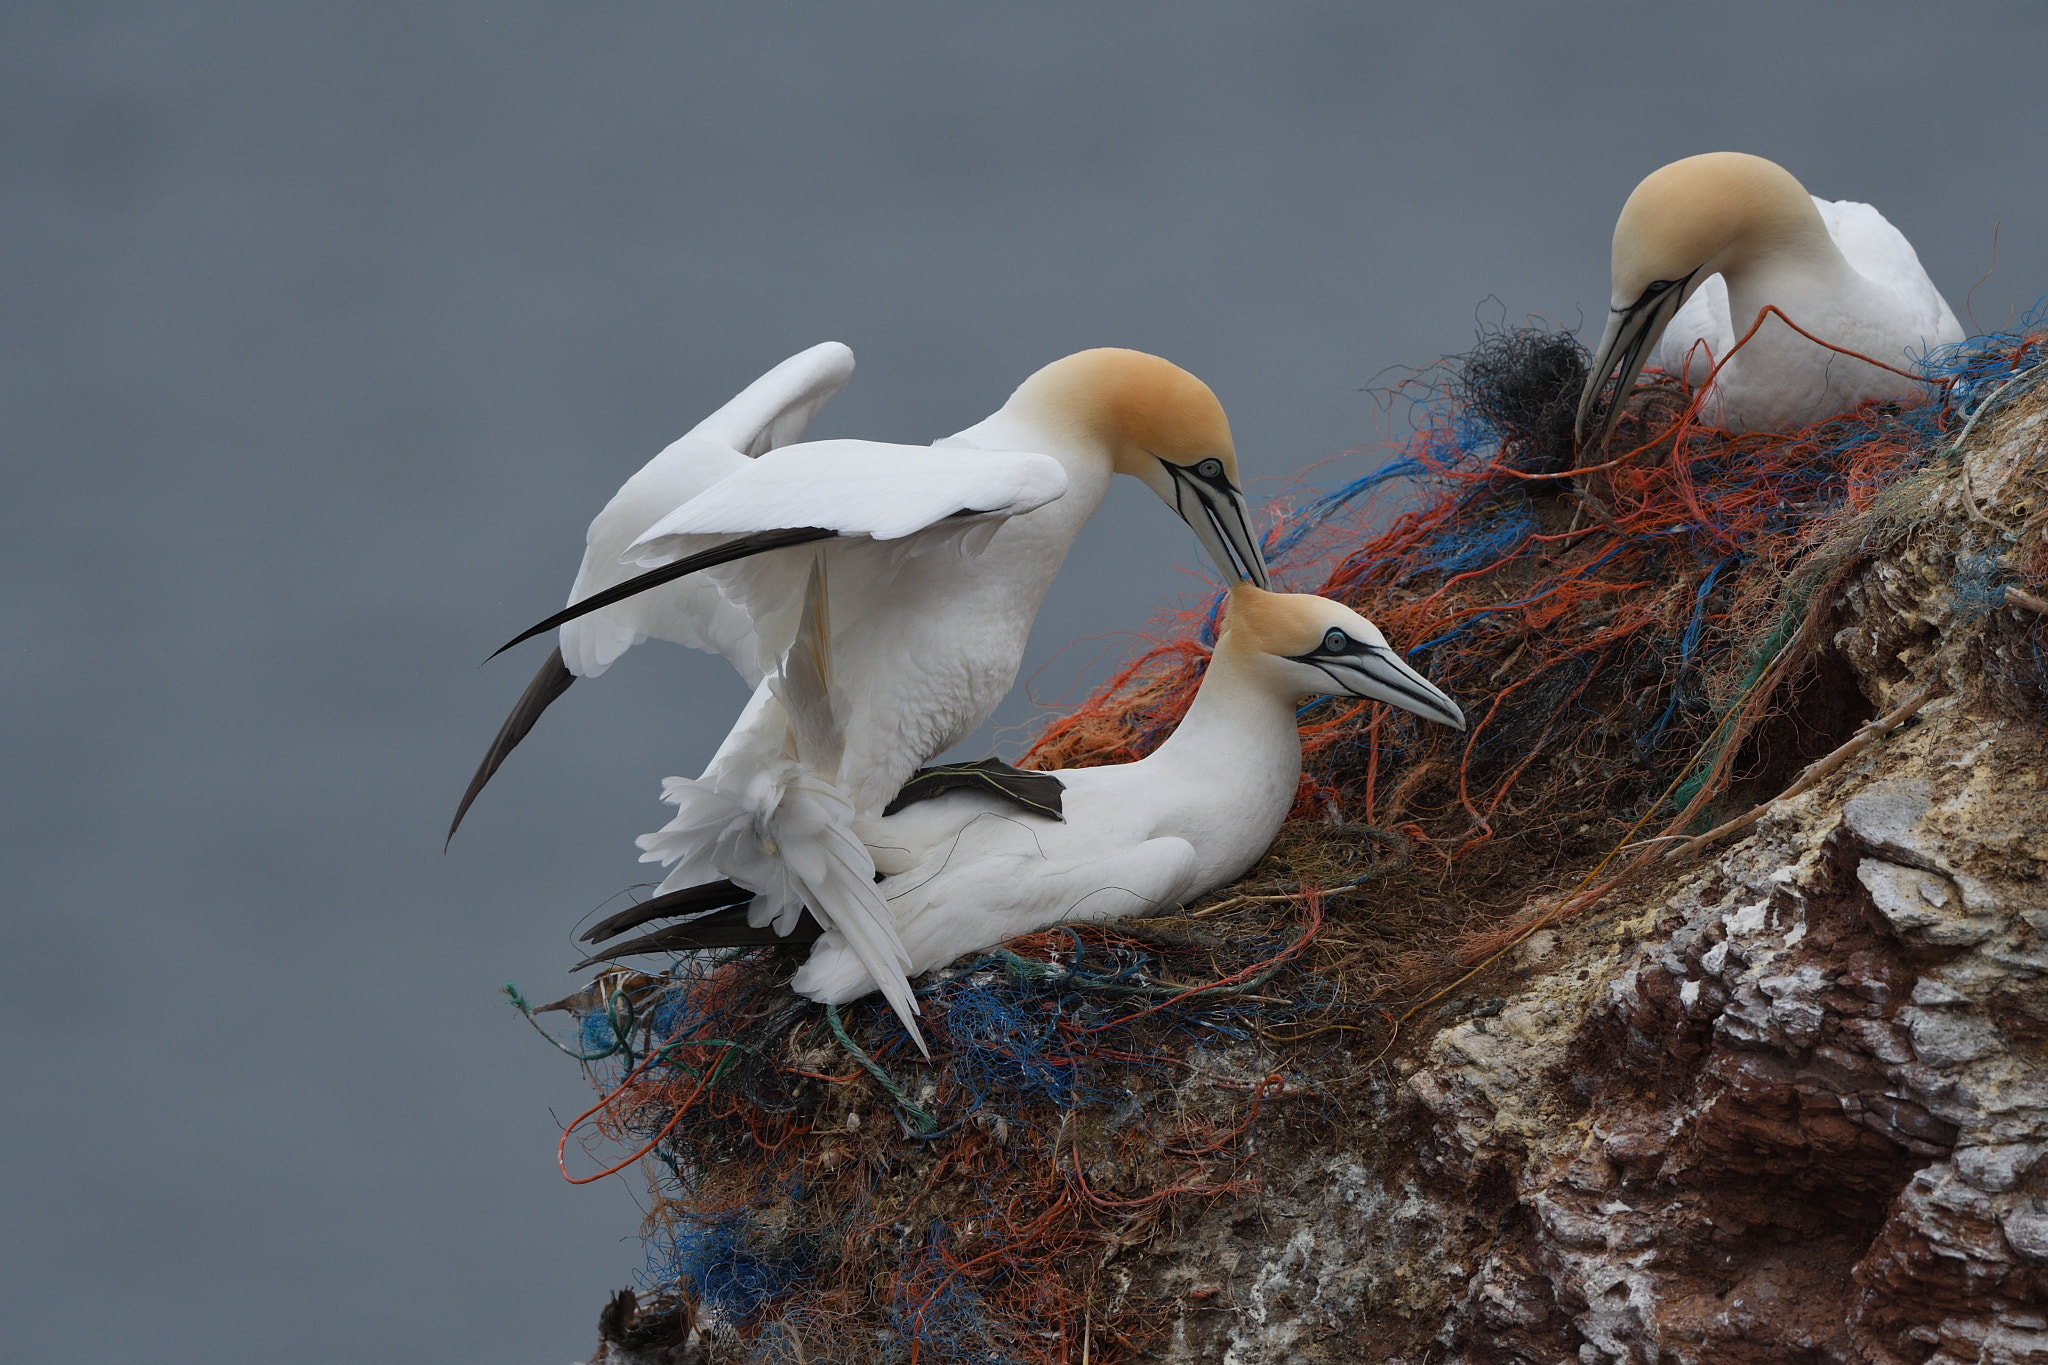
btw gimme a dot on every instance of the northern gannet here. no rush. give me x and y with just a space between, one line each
1092 412
928 565
1703 244
966 870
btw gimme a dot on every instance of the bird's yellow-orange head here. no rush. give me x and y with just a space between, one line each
1697 214
1305 646
1685 223
1162 426
1142 408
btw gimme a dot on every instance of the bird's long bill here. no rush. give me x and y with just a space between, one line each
1624 346
1221 521
1383 675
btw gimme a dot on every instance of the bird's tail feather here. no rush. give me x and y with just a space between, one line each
788 833
724 928
836 868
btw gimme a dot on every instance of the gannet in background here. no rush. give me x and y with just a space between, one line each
966 870
1704 243
931 563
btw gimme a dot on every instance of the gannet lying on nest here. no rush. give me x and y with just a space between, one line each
966 869
1703 244
929 564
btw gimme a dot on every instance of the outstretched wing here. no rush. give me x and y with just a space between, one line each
771 411
774 410
856 488
905 498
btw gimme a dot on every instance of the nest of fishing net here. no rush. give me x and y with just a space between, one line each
1525 384
1636 657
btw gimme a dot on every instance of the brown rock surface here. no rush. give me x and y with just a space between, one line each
1786 1106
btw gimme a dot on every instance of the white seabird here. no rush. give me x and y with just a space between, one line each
1090 412
1701 247
930 563
967 870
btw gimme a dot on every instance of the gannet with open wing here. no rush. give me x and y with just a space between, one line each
768 414
934 561
1703 244
1092 413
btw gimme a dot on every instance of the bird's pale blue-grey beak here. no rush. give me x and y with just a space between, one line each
1214 506
1625 346
1377 673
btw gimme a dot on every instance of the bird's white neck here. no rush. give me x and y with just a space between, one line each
1226 776
1236 707
1799 268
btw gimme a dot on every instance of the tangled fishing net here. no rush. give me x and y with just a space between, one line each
1641 643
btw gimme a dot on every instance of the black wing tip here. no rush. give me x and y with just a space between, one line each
726 928
547 686
741 547
1038 793
717 895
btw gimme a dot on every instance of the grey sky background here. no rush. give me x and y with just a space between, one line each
324 332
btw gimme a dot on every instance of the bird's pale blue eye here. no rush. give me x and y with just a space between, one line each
1336 641
1210 469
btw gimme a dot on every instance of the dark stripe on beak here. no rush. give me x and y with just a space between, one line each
1623 353
1380 666
1425 703
1222 524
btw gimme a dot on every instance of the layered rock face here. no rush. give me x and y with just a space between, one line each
1789 1104
1814 1094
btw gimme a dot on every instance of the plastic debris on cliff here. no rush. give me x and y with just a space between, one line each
1638 639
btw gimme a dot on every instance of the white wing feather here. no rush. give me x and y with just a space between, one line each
774 410
892 503
770 412
1881 254
861 488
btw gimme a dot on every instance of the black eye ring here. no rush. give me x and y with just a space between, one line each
1335 641
1210 469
